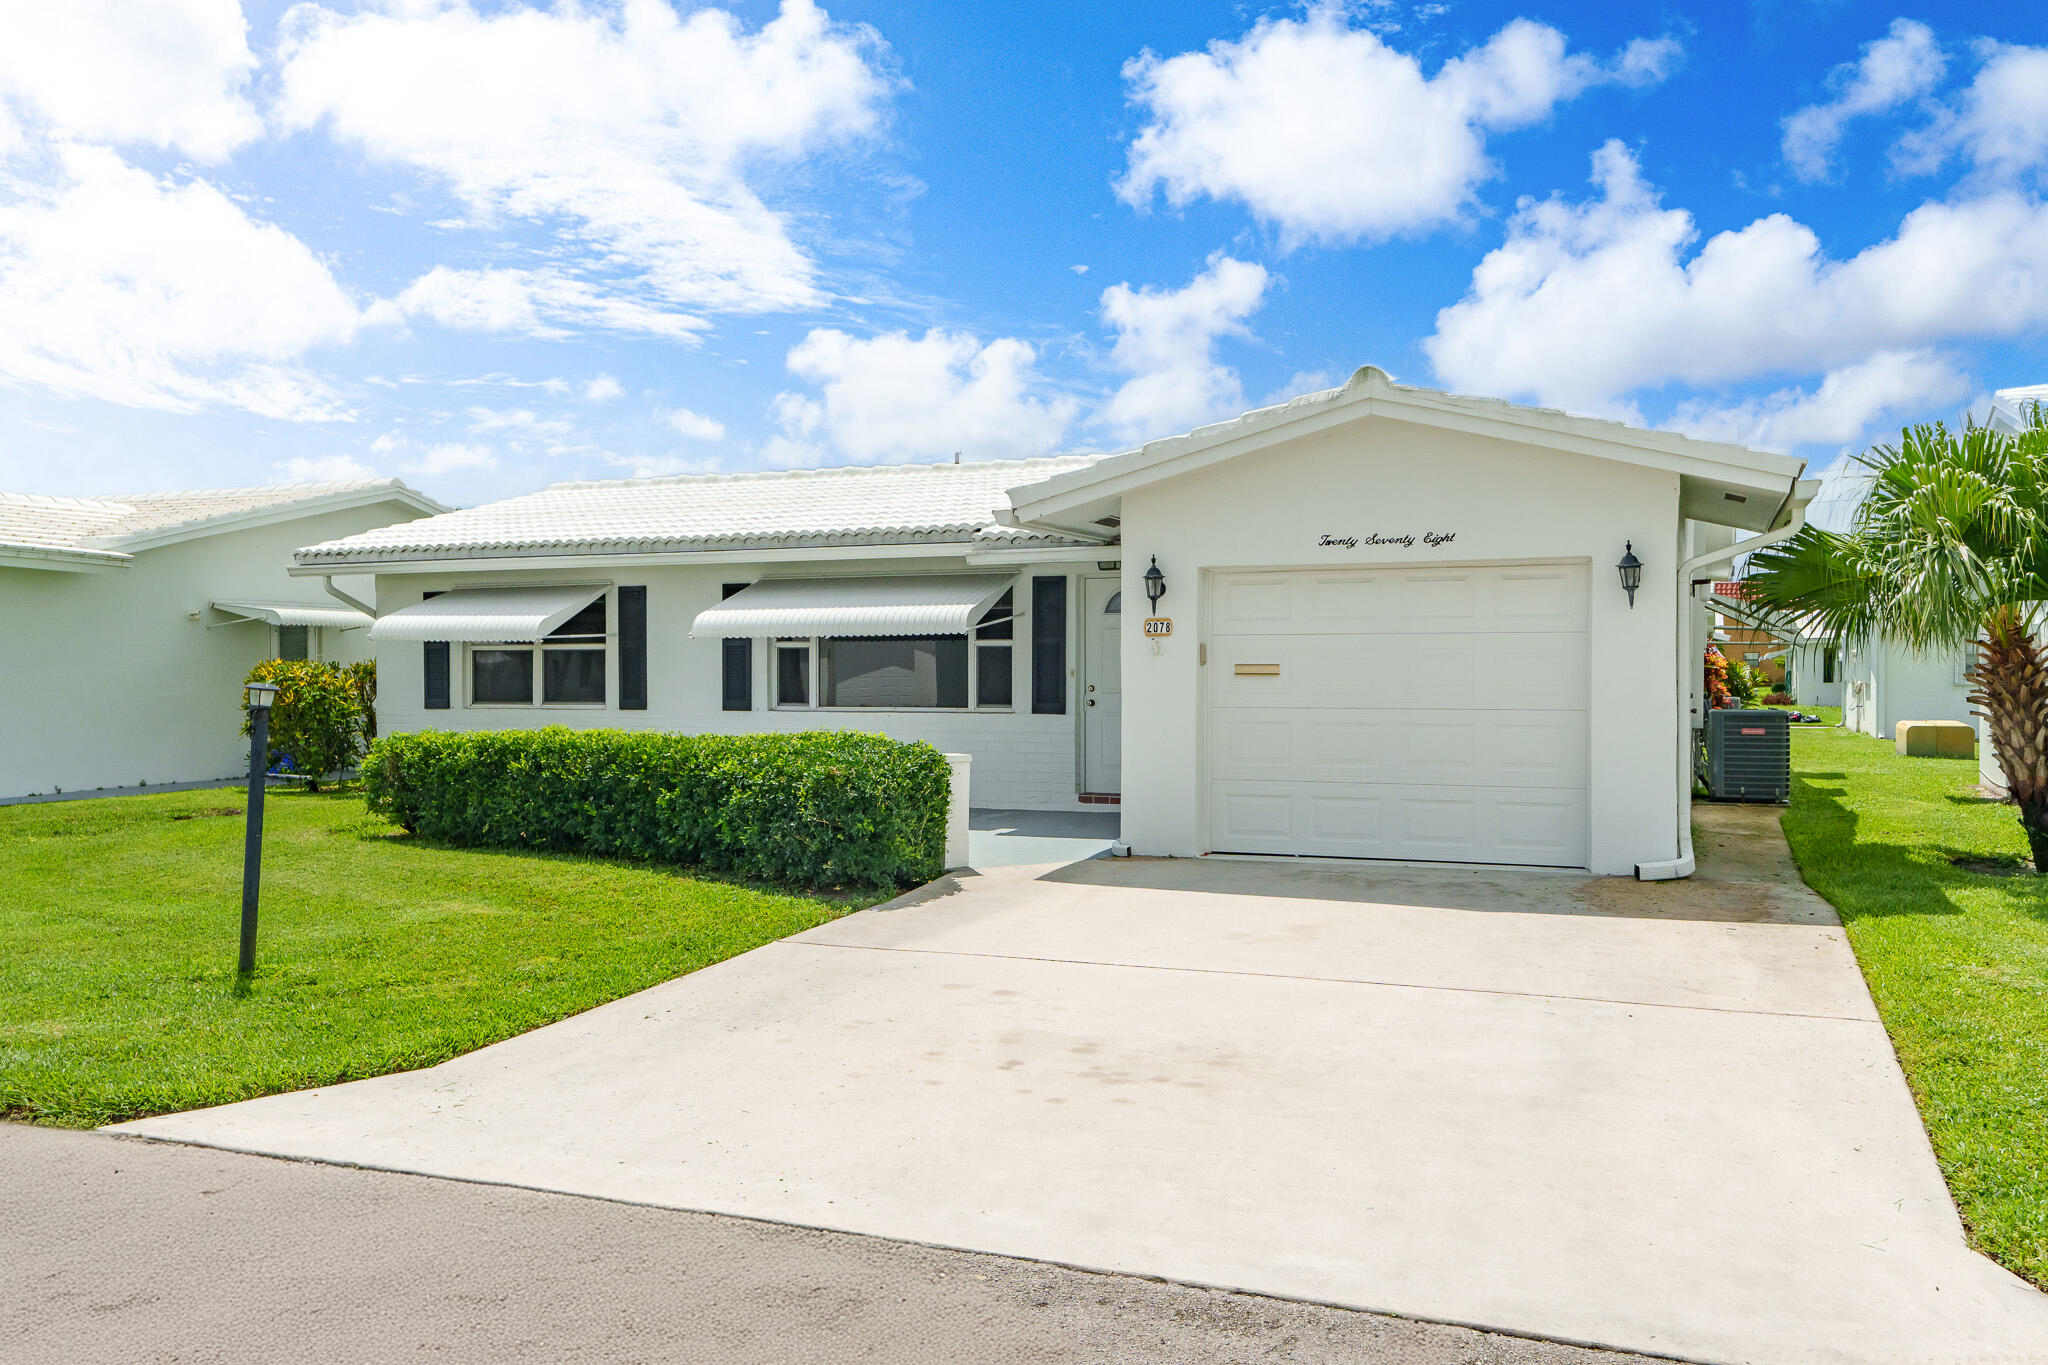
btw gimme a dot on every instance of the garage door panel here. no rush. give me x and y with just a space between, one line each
1450 601
1388 820
1419 748
1425 714
1254 602
1544 672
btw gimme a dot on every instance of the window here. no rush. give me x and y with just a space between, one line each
294 642
903 672
909 671
792 672
570 661
1827 666
992 652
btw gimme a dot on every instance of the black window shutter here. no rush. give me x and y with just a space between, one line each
434 656
1049 646
738 665
633 649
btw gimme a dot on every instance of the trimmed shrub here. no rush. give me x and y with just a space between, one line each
818 809
317 719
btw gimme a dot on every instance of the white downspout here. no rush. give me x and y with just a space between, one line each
1682 865
327 582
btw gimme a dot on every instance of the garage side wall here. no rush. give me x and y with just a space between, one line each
1499 502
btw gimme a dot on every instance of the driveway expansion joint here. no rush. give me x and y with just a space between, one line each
1331 980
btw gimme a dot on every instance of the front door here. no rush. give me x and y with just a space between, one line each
1102 707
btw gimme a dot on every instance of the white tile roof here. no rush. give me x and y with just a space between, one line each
104 525
866 505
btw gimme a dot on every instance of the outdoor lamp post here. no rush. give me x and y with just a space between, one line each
1631 571
1155 582
260 696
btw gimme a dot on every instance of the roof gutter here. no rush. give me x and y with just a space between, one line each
1007 516
1684 864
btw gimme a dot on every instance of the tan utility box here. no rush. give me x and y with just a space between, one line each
1935 739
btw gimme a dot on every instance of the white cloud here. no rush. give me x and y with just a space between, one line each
167 73
520 421
661 466
603 389
158 292
1899 386
546 304
895 398
628 132
1166 341
323 469
1585 302
1999 124
452 457
1905 64
1333 135
692 426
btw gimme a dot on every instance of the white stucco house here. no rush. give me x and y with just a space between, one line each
1392 623
131 621
1881 682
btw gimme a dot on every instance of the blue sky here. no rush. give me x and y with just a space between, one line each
485 247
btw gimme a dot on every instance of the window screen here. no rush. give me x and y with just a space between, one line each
501 676
294 642
903 671
572 675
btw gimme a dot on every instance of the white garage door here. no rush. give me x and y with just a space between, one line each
1433 714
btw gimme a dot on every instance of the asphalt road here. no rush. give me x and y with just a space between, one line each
117 1249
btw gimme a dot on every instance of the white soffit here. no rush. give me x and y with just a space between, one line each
295 614
928 604
487 615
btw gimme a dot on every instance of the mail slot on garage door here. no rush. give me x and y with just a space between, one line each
1258 670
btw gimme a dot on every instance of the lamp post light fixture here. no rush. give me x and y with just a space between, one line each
260 697
1631 571
1155 583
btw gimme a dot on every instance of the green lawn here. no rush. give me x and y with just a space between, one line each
1957 961
378 952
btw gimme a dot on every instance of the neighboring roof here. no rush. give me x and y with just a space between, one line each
869 505
111 530
921 604
1718 481
2011 408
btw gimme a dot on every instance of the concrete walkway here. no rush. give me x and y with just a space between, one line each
1035 838
120 1251
1661 1118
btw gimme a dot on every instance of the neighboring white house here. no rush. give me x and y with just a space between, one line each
1392 623
1882 682
131 621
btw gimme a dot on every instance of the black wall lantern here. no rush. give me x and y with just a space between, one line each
1631 571
1155 582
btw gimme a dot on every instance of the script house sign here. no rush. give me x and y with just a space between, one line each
1433 539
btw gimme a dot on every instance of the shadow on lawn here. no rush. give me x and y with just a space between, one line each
1866 878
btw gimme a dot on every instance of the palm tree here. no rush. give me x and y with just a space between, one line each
1948 549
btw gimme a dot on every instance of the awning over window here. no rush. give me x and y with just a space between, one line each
928 604
487 615
295 614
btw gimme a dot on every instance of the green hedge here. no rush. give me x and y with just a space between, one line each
818 809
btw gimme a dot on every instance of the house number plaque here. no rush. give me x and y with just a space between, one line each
1157 626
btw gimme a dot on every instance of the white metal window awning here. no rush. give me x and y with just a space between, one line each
487 615
928 604
295 614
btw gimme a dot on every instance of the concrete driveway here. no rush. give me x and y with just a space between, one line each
1661 1118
